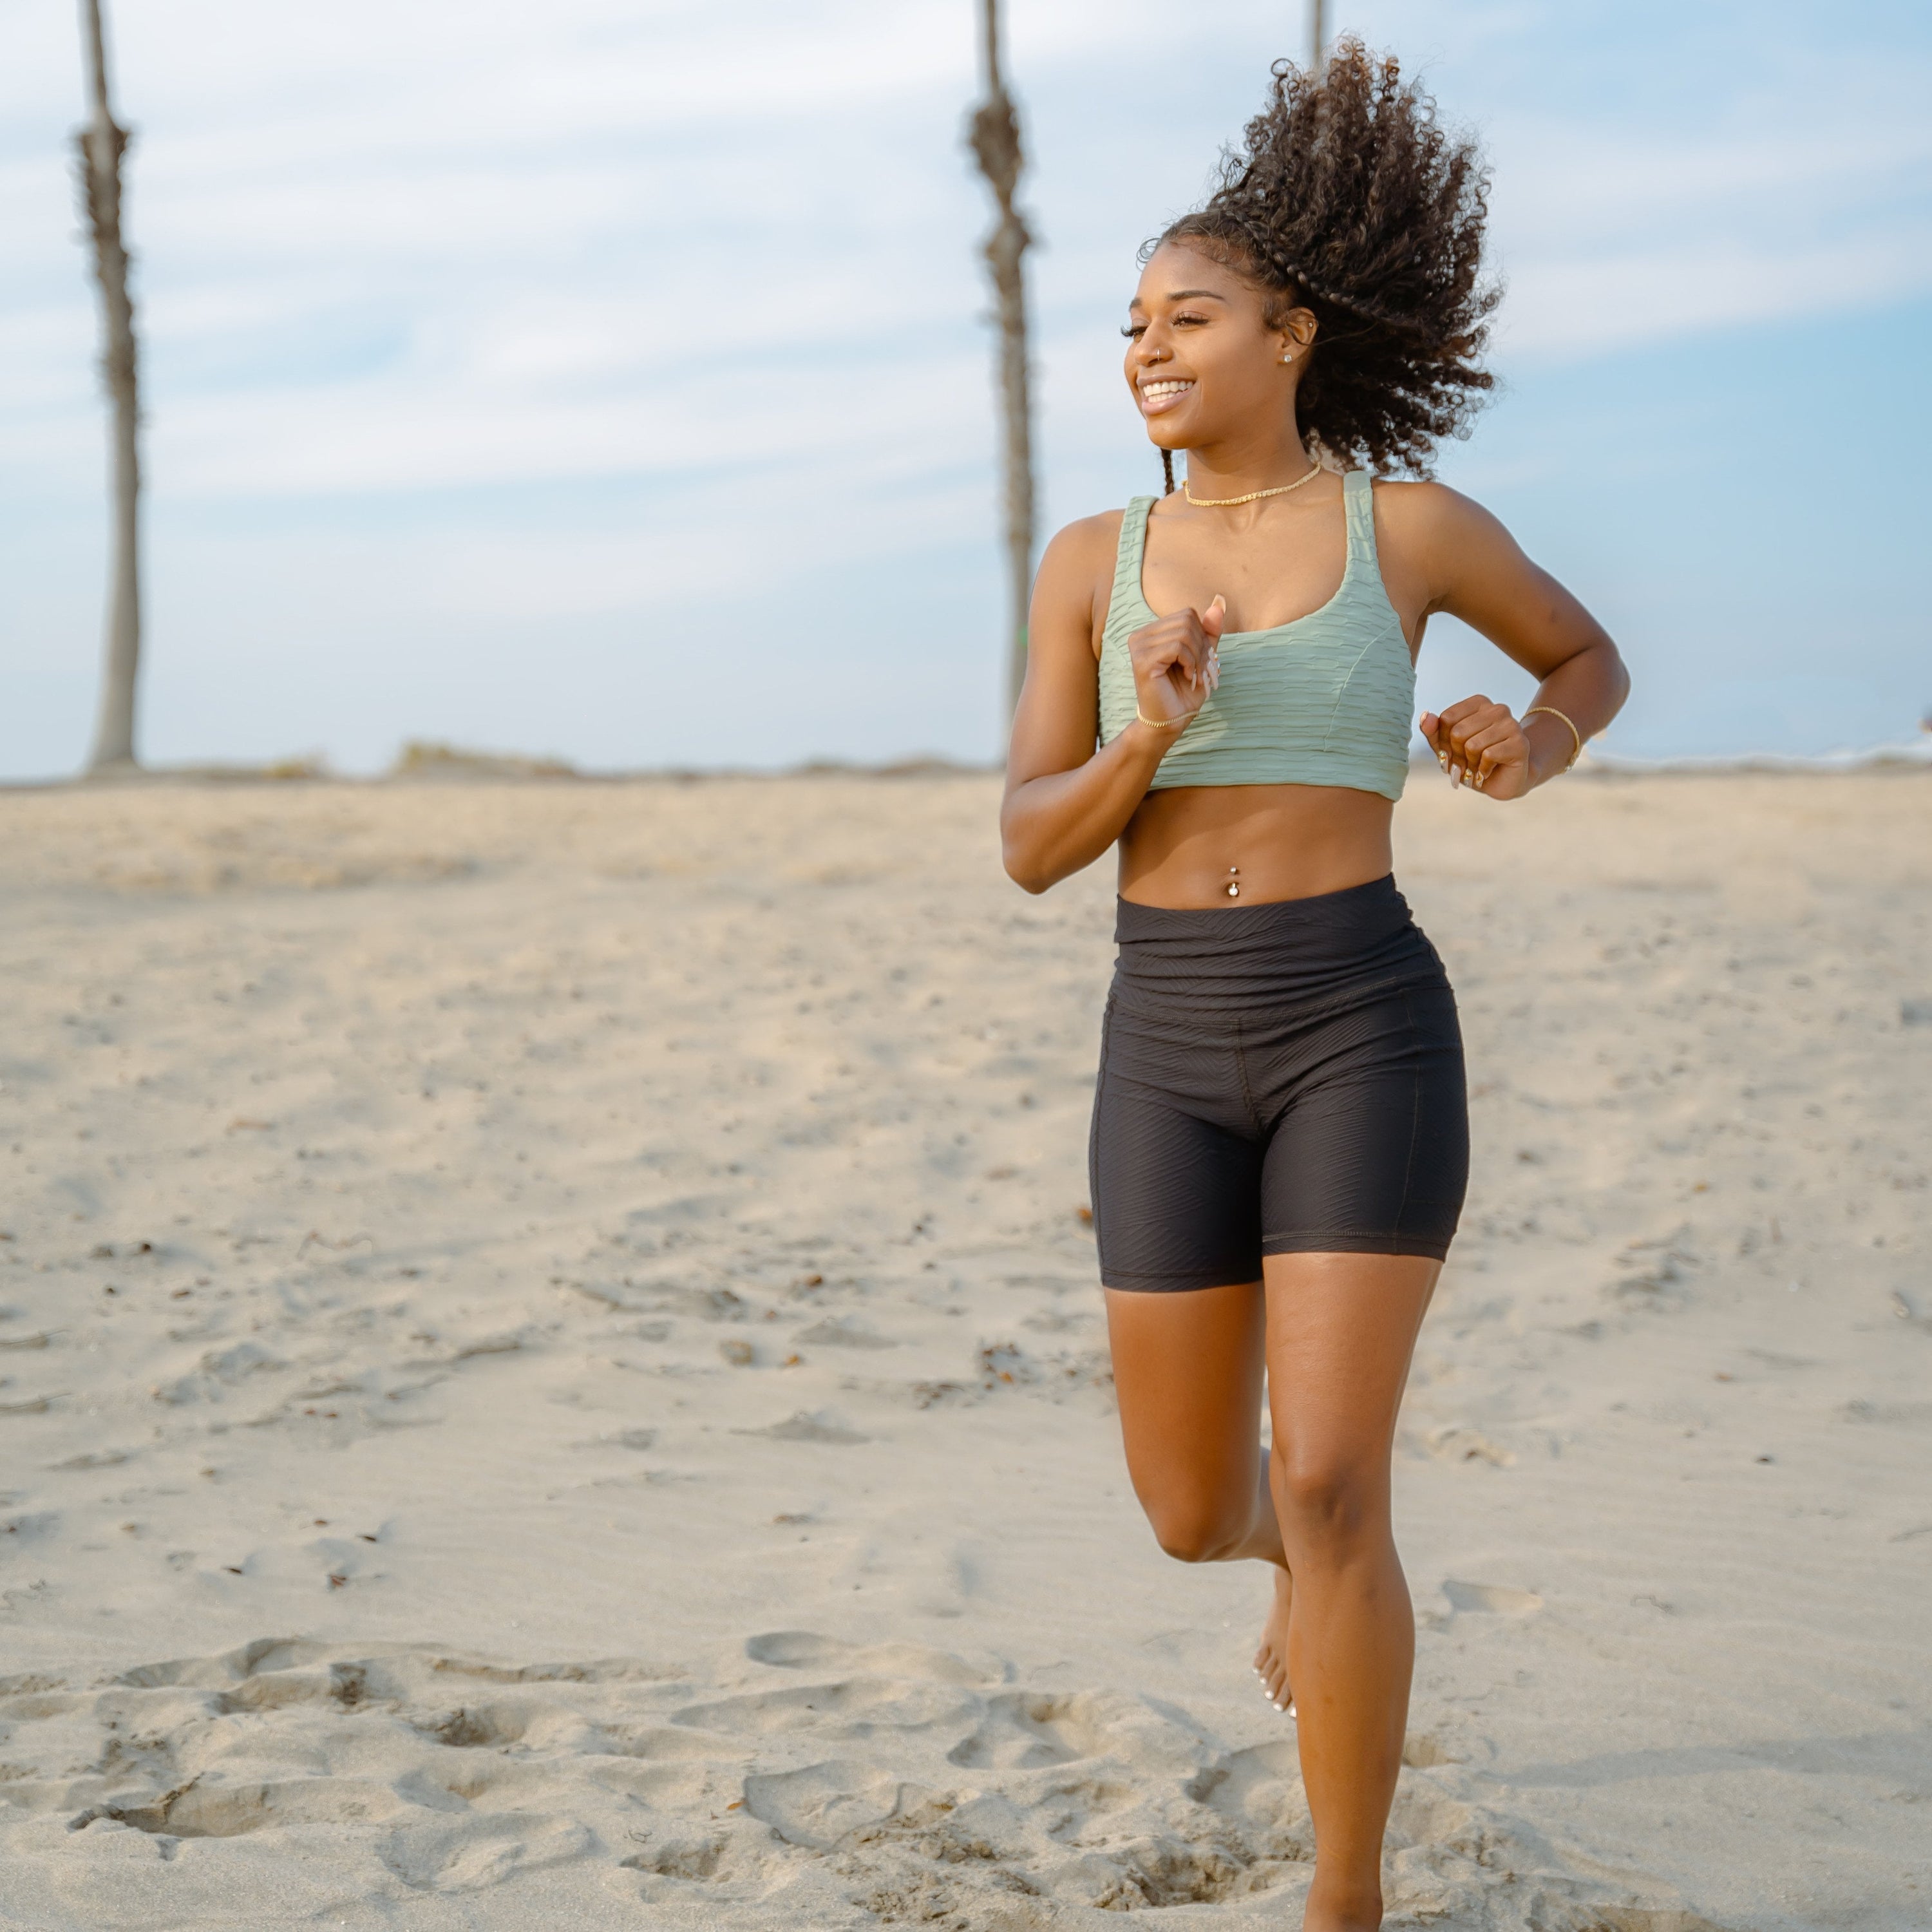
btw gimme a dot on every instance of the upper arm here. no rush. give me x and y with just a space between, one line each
1462 560
1058 718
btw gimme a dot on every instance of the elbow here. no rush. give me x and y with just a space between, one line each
1620 681
1024 863
1025 871
1018 854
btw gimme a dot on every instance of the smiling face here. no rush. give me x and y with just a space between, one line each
1204 362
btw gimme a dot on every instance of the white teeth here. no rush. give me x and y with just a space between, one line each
1165 389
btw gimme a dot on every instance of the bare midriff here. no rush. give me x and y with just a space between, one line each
1184 847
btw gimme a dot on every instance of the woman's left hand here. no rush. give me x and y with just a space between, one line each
1482 744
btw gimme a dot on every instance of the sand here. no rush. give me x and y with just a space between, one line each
550 1375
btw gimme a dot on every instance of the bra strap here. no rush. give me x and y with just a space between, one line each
1358 503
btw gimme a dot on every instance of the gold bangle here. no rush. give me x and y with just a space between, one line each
1163 724
1550 710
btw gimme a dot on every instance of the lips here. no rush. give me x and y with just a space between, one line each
1164 394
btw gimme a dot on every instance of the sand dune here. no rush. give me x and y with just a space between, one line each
549 1374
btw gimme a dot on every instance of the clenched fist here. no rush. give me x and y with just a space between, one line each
1480 744
1177 661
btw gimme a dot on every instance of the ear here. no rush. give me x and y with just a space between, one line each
1296 331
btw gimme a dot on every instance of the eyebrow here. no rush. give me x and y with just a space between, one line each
1179 294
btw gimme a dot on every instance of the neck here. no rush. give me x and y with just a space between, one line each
1262 459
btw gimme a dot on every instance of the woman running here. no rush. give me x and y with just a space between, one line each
1280 1137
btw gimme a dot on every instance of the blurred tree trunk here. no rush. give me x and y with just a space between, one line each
101 144
1317 36
995 140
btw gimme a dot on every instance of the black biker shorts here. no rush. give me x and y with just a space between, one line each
1278 1078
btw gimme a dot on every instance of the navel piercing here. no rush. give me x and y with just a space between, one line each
1234 890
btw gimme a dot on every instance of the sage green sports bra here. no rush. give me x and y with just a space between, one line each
1327 700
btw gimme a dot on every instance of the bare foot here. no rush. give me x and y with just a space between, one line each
1271 1660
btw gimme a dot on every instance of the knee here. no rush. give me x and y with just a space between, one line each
1326 1505
1193 1529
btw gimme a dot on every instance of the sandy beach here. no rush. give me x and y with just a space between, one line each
551 1375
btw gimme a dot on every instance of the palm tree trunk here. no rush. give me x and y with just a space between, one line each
995 140
101 144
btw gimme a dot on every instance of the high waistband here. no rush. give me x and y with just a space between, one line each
1361 939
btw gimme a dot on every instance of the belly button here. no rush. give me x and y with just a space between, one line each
1234 888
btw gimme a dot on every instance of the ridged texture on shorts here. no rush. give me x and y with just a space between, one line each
1328 699
1278 1079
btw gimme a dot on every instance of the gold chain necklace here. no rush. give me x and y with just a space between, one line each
1252 496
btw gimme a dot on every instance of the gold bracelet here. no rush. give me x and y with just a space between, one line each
1550 710
1163 724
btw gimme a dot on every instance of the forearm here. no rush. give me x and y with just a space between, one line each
1057 824
1589 690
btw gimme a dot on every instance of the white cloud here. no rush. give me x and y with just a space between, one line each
1607 300
1815 202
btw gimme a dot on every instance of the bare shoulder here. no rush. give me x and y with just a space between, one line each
1075 581
1426 513
1435 543
1085 540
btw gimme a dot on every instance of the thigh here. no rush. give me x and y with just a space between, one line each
1369 1151
1174 1164
1341 1331
1187 1371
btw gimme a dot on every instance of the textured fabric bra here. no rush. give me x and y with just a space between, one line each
1328 699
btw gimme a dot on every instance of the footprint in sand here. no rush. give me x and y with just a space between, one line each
1492 1599
678 1857
1026 1728
1259 1789
939 1797
853 1707
817 1806
804 1426
806 1650
467 1855
1457 1444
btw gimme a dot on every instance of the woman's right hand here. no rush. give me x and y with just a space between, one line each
1177 661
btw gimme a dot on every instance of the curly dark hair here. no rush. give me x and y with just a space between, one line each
1349 200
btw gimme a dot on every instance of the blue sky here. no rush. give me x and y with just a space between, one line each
610 380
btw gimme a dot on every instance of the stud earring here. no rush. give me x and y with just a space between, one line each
1289 357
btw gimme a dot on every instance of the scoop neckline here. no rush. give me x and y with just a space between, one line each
1273 630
